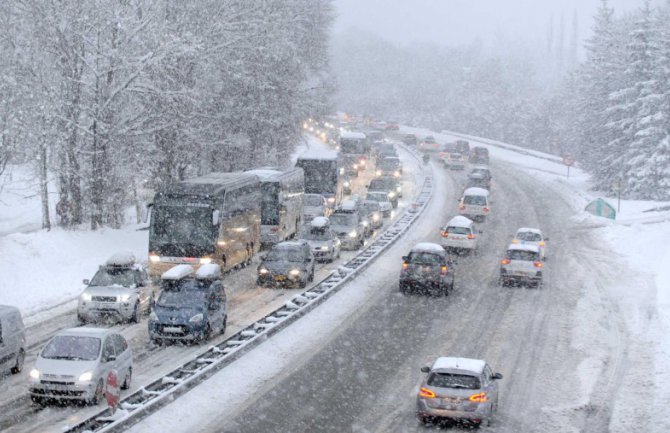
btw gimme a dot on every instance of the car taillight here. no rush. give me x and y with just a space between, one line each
486 209
479 398
471 236
426 393
537 264
444 270
461 207
445 234
504 262
405 265
515 241
541 243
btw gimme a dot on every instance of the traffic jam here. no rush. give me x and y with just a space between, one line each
281 233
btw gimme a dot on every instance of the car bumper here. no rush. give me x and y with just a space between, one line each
323 255
94 310
524 279
418 286
459 244
480 412
71 391
278 281
177 332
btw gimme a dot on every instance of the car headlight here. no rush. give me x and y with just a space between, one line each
34 374
294 272
396 174
86 377
153 317
378 172
86 297
391 194
355 166
331 200
365 223
399 189
375 217
124 298
353 234
346 184
363 162
325 247
196 319
205 260
262 271
153 258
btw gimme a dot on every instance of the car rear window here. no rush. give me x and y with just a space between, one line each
529 236
424 258
528 256
458 230
477 200
450 380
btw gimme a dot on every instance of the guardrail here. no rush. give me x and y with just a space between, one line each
164 390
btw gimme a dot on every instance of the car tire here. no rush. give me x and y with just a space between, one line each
224 324
207 333
136 317
423 420
127 379
20 359
302 284
37 400
98 394
80 320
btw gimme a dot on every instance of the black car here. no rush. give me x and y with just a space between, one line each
480 177
389 184
289 263
410 140
427 269
479 155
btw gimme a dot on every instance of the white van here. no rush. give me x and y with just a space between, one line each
12 340
459 235
475 203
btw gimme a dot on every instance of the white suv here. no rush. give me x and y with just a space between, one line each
459 234
529 236
522 264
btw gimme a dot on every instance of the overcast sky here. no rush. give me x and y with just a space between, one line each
457 22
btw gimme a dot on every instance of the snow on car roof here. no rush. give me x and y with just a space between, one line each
85 331
350 134
178 272
210 271
475 191
529 230
466 364
524 247
480 167
460 221
348 205
264 173
320 153
319 222
428 247
122 258
289 244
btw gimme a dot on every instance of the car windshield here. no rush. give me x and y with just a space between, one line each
284 255
186 293
110 276
424 258
529 236
316 235
343 219
458 230
377 196
183 225
450 380
382 184
477 200
479 173
527 256
370 207
313 200
388 163
72 347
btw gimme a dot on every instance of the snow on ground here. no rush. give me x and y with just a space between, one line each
20 208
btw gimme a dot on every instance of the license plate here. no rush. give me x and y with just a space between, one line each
280 278
520 273
172 330
104 306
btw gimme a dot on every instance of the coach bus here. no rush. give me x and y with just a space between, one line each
282 203
323 176
214 218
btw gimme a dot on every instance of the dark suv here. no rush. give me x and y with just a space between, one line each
427 269
479 155
463 147
288 263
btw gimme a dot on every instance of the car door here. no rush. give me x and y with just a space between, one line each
491 385
143 287
123 356
215 308
107 361
5 346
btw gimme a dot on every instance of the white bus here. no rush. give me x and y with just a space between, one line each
282 203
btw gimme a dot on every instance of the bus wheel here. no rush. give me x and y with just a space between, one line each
250 255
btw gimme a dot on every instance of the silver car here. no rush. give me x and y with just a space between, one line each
75 363
322 240
120 288
458 389
522 264
314 205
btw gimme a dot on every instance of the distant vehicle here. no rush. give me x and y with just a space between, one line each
347 187
427 269
75 363
381 197
454 161
349 228
373 211
531 236
322 176
353 206
480 174
12 340
189 308
389 166
463 147
289 263
391 126
522 264
385 150
389 184
460 389
428 144
314 205
120 288
479 155
355 145
410 139
350 164
474 204
459 235
282 203
324 243
214 218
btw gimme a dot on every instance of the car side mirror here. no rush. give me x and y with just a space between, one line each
110 358
216 218
405 258
497 376
425 369
86 281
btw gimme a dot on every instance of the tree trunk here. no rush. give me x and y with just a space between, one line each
44 187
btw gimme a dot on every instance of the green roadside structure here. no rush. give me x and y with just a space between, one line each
599 207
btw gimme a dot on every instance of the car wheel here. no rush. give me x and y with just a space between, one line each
207 333
423 420
20 358
127 379
37 400
98 395
302 284
135 318
80 320
225 323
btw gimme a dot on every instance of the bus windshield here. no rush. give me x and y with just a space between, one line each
183 225
270 204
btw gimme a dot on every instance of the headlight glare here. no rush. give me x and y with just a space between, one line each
86 377
86 297
196 319
35 374
353 234
294 272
